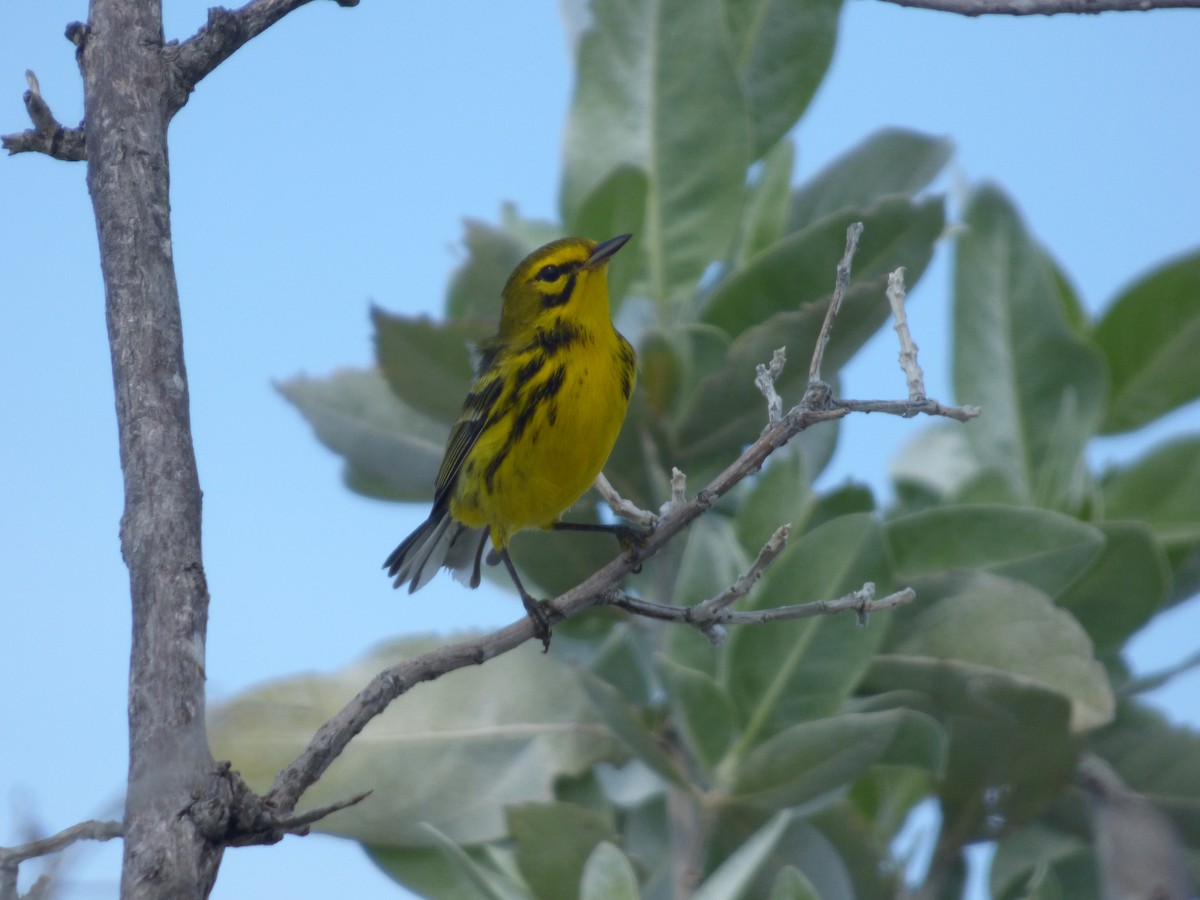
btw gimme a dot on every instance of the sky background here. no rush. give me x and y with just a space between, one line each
329 165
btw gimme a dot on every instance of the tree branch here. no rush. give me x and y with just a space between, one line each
602 587
224 33
187 64
47 135
862 602
1043 7
12 857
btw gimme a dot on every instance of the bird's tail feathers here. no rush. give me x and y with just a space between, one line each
439 541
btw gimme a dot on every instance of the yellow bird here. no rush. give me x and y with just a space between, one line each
549 397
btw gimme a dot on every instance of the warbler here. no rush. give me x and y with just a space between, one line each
550 393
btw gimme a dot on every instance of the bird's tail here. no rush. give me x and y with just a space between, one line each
439 541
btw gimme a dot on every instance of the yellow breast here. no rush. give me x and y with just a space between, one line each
555 424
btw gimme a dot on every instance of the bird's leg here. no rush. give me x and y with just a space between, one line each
630 538
534 607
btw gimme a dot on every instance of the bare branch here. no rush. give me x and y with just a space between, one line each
1044 7
908 347
909 408
47 135
853 233
12 857
626 509
764 379
862 602
678 492
704 613
224 33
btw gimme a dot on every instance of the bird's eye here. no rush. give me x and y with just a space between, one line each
549 273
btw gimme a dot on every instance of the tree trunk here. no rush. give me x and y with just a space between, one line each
171 770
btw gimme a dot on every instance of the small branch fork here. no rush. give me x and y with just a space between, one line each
188 63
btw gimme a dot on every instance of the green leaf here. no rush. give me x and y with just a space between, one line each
1041 387
1163 490
1011 748
780 495
1045 549
937 460
476 286
864 851
356 416
553 843
1005 627
1022 855
608 875
1159 760
445 870
812 759
427 364
734 876
656 89
711 561
782 49
1149 336
790 884
764 217
891 161
801 845
701 710
798 273
800 669
1125 587
626 722
617 205
468 736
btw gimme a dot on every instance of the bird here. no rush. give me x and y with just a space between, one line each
550 394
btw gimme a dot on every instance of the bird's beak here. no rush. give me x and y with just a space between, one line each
605 250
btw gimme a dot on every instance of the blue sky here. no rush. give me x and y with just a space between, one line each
328 165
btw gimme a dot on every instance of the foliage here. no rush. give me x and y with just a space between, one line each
784 763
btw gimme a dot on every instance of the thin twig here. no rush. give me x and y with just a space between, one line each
12 857
909 408
862 602
908 347
1044 7
703 613
1154 680
764 379
853 233
678 493
626 509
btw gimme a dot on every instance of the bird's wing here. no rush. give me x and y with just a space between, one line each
475 416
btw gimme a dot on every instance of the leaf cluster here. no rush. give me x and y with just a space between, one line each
642 761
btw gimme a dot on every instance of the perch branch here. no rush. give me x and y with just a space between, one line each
1044 7
602 588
